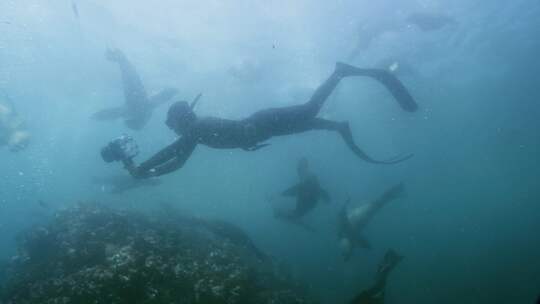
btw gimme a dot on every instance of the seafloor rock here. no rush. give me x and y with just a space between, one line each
91 254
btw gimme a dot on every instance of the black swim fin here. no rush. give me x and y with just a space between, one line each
386 78
398 90
345 132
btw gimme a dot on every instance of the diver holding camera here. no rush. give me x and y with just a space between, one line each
251 132
123 148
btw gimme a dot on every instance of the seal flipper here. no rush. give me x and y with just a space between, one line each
162 97
386 78
109 114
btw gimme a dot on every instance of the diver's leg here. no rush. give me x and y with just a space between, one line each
342 70
297 118
324 124
293 119
345 131
291 115
321 94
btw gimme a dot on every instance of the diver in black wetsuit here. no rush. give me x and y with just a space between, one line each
250 133
375 294
308 192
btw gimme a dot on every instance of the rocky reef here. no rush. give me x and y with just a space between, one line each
93 254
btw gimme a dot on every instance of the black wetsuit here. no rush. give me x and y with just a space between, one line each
308 192
251 132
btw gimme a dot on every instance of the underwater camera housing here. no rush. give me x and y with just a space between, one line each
120 149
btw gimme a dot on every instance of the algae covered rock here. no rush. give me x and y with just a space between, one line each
93 254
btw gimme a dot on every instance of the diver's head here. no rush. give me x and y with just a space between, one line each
180 117
302 168
18 140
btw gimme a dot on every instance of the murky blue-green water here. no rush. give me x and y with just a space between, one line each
468 225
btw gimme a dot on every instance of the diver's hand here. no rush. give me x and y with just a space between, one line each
134 170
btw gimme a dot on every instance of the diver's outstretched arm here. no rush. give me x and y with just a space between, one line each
345 131
165 161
